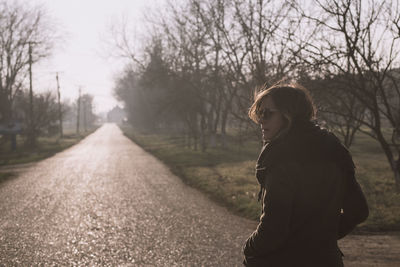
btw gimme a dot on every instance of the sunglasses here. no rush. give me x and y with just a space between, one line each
266 113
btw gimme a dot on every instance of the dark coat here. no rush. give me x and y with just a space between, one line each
310 199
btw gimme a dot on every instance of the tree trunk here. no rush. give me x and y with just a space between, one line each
395 164
213 139
224 120
203 133
349 135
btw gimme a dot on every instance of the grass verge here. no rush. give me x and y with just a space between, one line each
46 147
227 175
6 176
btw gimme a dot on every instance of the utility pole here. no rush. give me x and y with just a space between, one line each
59 106
31 137
84 113
79 111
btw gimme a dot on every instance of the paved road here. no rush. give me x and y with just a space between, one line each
106 202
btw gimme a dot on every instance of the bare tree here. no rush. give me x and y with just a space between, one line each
87 116
21 27
45 119
359 41
335 105
216 52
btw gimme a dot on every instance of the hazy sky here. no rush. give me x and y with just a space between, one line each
82 58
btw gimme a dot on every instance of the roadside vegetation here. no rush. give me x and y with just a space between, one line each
226 175
37 116
198 72
5 176
45 147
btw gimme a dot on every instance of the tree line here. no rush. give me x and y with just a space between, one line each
203 60
26 38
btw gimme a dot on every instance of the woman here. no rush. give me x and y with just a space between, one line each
310 197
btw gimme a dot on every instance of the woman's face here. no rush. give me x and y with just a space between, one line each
271 120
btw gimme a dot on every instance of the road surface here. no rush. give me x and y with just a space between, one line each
106 202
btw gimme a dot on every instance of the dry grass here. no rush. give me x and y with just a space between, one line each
46 147
227 175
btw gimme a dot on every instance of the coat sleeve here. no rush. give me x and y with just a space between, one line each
273 228
354 209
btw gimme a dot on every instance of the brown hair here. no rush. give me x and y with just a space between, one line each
292 100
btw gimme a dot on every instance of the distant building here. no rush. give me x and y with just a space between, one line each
116 115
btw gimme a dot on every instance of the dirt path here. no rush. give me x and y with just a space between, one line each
106 202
